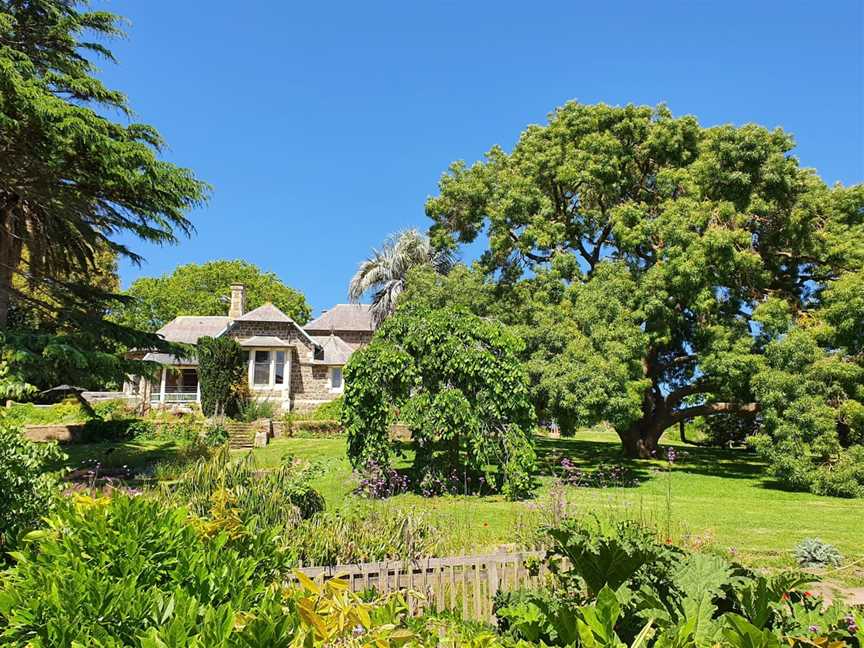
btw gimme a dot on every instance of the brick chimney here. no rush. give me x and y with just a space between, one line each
238 301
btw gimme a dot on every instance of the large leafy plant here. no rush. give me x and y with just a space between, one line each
456 381
27 487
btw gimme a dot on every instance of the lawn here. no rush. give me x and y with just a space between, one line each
708 496
713 497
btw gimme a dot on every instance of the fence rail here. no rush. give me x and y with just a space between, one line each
467 584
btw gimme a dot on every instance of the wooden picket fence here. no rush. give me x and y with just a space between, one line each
461 583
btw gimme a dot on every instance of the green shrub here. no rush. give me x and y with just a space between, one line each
331 411
27 489
216 436
110 568
456 380
252 409
316 429
20 414
221 375
264 499
364 533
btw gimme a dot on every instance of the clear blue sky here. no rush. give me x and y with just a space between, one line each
323 127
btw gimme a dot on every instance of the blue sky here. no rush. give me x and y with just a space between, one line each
323 127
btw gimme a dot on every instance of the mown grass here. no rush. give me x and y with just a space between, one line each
714 497
709 496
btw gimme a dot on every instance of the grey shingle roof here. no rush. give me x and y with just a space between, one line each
343 317
265 313
336 350
186 329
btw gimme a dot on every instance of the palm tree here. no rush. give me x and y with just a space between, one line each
384 273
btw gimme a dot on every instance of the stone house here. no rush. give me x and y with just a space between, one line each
297 367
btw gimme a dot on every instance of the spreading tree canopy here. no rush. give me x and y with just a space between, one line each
72 180
669 263
204 289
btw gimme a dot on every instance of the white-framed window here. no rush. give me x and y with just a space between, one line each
261 369
268 368
336 383
279 368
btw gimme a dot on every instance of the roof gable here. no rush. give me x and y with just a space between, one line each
343 317
335 350
270 313
264 313
186 329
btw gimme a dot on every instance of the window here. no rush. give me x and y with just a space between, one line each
335 379
279 372
261 371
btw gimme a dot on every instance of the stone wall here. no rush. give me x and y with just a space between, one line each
310 386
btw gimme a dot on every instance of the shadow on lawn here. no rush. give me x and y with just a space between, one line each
714 462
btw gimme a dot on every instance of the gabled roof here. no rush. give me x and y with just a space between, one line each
336 350
343 317
186 329
265 313
270 313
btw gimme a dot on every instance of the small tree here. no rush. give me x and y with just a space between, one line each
456 381
220 371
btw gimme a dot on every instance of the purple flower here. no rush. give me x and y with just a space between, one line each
814 629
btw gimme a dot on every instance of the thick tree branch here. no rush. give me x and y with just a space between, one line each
712 408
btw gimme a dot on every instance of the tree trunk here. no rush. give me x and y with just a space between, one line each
640 439
10 257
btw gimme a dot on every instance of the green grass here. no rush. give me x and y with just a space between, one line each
713 496
137 455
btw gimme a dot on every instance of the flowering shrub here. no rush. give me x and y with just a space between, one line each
602 476
435 484
377 481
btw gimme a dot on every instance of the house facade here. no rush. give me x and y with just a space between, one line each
296 367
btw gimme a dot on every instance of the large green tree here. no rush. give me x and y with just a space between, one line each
72 181
672 245
205 289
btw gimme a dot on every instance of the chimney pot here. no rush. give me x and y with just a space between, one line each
238 301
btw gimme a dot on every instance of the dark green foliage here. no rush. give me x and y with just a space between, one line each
27 488
600 556
648 261
455 380
813 415
220 372
73 182
216 436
